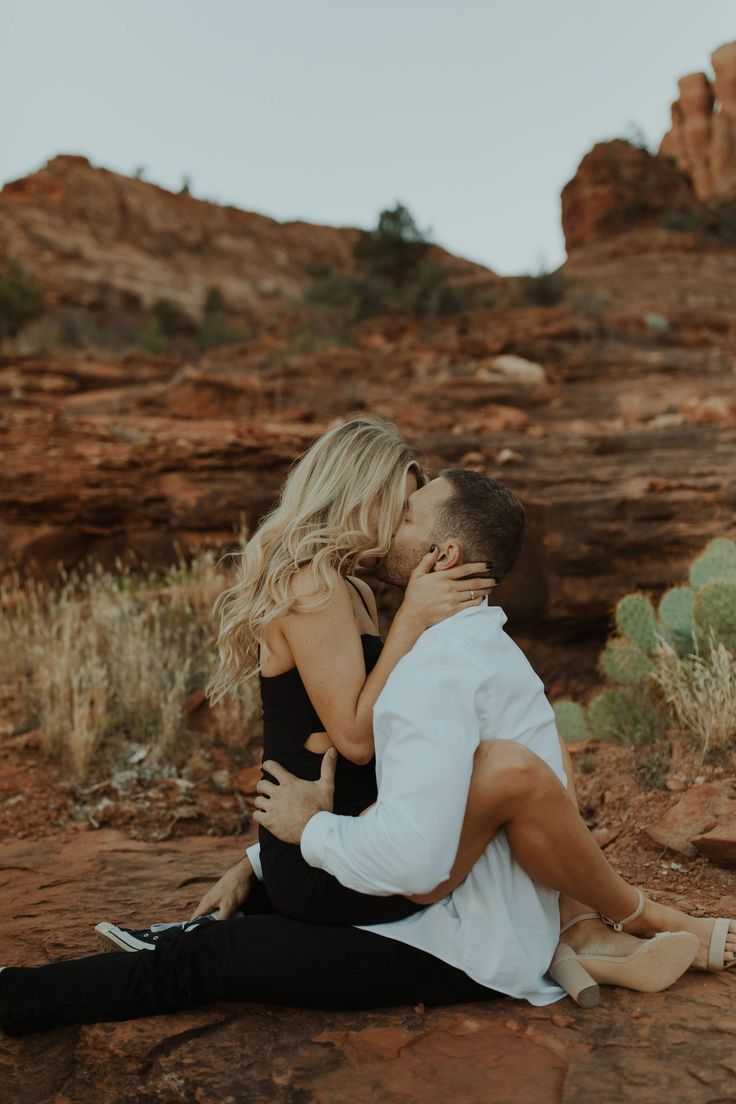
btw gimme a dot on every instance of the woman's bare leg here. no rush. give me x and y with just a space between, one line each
512 788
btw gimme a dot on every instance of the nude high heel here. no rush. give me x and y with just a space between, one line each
652 967
716 947
570 974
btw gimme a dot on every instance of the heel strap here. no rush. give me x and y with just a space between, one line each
619 925
577 919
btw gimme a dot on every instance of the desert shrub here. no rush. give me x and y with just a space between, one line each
684 221
101 661
543 289
394 274
724 221
717 221
394 250
165 321
701 693
215 328
673 667
21 300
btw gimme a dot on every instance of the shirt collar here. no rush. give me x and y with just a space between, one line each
482 610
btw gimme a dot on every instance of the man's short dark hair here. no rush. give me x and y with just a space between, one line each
485 516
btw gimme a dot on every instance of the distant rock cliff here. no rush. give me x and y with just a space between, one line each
703 136
619 187
86 234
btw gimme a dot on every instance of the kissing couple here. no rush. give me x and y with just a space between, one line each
419 839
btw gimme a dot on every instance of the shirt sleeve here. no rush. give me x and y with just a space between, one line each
254 854
428 723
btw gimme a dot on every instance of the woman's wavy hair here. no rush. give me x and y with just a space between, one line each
341 504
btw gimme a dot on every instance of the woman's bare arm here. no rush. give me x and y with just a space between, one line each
326 647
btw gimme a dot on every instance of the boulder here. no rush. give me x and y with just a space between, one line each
694 814
719 845
514 370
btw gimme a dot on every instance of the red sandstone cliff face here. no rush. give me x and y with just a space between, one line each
621 440
618 188
90 237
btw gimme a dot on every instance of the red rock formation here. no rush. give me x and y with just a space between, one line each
88 236
618 188
621 443
702 139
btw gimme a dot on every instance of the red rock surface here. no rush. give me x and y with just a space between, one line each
95 239
633 1049
618 188
694 814
719 844
624 456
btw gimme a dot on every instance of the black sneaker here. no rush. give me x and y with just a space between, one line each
112 937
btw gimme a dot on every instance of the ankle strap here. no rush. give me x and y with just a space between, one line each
577 919
619 925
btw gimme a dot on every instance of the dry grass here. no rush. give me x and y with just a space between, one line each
104 661
700 692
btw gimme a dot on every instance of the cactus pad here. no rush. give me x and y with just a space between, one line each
571 722
717 561
714 609
676 618
624 662
637 621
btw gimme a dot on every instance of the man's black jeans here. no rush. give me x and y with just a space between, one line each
260 957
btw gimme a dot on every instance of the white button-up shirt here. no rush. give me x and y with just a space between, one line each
464 681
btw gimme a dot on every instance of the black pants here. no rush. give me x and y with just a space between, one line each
307 893
262 957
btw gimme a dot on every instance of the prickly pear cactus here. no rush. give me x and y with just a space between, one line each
624 662
717 561
636 711
625 715
714 610
571 722
611 714
676 618
637 621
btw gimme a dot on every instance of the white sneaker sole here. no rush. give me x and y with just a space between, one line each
112 938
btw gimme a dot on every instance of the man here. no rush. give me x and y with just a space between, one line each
464 697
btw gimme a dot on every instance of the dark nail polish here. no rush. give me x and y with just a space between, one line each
489 566
432 549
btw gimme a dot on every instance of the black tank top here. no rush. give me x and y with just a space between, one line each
289 718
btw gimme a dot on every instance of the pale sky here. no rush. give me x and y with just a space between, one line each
472 112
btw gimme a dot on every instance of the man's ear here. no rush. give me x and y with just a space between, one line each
451 555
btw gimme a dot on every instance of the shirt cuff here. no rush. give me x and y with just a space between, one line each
313 838
254 854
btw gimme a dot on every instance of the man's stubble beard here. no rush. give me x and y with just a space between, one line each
397 566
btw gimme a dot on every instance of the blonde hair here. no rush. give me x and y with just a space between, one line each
323 518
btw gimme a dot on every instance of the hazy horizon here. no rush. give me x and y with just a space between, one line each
474 116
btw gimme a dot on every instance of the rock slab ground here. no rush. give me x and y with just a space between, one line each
677 1046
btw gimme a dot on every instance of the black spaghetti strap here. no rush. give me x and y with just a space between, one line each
360 595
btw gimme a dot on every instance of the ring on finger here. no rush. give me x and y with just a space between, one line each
472 596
